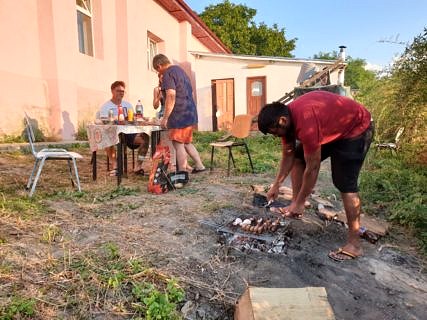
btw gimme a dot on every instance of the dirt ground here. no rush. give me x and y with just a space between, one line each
170 230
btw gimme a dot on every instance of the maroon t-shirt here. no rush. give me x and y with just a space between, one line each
320 117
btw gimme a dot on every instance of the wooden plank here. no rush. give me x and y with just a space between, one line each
284 303
377 226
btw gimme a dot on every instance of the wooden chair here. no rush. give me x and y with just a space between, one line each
392 146
48 154
239 131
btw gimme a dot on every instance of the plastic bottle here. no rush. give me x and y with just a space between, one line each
130 115
139 110
111 116
120 115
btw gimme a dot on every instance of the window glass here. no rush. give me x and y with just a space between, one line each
84 26
256 89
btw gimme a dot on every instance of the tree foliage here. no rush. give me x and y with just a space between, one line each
410 71
400 100
326 55
235 26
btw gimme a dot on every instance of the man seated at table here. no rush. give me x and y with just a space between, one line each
138 141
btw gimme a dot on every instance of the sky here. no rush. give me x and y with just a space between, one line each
374 30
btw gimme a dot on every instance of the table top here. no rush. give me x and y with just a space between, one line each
101 136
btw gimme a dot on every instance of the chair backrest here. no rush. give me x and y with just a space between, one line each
30 134
241 126
399 134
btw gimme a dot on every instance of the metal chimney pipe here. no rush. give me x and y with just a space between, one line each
341 54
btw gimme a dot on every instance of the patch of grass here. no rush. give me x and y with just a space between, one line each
156 304
214 206
112 251
126 207
18 308
70 146
128 285
71 195
397 190
5 266
118 192
11 139
136 265
265 152
24 206
51 233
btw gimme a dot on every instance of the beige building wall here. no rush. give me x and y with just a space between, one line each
43 73
281 77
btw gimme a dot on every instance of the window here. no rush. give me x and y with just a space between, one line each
256 89
152 49
84 26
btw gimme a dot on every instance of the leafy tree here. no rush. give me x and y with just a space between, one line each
235 26
326 55
410 72
356 76
401 100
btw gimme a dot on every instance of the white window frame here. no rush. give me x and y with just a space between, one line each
85 34
152 49
151 52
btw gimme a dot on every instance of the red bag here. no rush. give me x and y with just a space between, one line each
158 180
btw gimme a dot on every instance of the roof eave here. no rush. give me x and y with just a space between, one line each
182 12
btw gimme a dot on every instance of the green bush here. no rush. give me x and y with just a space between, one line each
155 304
81 133
392 187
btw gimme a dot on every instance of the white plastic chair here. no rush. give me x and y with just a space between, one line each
392 146
48 154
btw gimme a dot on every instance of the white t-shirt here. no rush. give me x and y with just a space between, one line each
103 112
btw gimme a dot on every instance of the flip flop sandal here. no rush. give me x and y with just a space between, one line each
279 210
198 170
113 173
341 255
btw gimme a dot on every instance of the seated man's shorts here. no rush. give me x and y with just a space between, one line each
182 135
347 158
133 145
130 138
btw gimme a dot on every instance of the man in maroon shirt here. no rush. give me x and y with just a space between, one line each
325 125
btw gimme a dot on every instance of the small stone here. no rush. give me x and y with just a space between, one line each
187 308
178 232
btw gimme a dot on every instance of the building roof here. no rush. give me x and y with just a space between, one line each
182 12
261 59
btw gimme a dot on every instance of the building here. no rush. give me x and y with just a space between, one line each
228 85
60 58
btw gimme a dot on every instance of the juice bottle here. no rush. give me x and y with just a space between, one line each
130 115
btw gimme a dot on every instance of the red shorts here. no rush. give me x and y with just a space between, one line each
182 135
